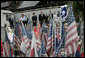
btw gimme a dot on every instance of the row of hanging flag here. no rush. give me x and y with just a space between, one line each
38 43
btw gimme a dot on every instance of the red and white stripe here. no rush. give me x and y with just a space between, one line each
26 41
37 34
25 45
45 36
6 49
57 34
19 29
71 39
17 42
49 45
32 52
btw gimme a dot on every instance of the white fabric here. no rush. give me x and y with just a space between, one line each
10 36
22 47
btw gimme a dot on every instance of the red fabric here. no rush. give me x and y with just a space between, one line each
35 31
38 30
1 48
32 53
12 51
79 48
82 54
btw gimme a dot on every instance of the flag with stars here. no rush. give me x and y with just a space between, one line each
72 36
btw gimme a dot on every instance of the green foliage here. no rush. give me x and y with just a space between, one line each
78 9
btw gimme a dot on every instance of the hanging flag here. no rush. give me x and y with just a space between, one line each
49 40
72 36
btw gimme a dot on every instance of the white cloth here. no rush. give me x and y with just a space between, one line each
10 36
22 47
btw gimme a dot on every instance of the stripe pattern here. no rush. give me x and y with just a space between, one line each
27 42
49 40
71 39
17 42
37 33
72 36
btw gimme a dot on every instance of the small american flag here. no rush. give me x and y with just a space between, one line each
49 40
72 36
43 49
6 46
18 31
37 34
17 42
25 40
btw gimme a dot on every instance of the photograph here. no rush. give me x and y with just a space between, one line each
42 28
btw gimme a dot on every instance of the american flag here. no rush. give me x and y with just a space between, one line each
49 40
17 42
72 36
37 33
25 40
43 49
29 30
56 42
6 46
18 31
45 36
44 33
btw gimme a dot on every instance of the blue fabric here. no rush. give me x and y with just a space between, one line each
29 34
51 28
6 37
10 52
77 54
23 30
64 9
22 18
